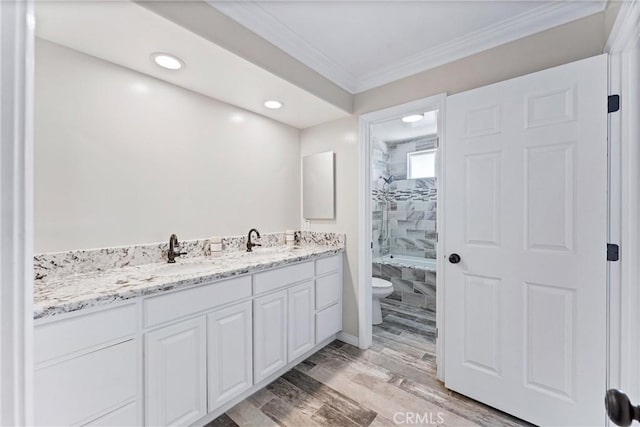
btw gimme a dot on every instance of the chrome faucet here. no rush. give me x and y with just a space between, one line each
174 249
250 245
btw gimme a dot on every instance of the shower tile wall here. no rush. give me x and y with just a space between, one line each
411 221
411 285
412 202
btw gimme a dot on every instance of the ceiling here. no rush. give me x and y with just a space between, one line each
396 130
364 44
126 34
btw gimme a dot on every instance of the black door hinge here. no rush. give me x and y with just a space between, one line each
613 103
613 252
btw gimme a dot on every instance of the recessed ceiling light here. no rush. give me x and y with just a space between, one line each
273 104
413 118
167 61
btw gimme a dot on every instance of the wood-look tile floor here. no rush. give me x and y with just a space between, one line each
384 385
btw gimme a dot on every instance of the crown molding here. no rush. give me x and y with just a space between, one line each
526 24
626 28
253 16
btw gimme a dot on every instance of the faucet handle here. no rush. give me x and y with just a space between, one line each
177 250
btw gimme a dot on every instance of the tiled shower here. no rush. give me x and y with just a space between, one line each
404 223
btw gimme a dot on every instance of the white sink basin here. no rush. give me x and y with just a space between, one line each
195 266
179 268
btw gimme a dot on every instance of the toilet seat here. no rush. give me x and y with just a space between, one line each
380 288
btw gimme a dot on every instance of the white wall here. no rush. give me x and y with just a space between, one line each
123 158
341 136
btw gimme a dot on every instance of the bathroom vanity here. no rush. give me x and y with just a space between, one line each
180 344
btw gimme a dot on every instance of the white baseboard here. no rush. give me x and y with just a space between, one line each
348 338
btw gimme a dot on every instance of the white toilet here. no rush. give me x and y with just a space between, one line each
380 289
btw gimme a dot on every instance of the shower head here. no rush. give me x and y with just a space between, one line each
387 180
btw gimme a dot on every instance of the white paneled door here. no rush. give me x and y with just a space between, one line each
526 214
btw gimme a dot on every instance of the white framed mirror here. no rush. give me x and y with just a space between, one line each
318 184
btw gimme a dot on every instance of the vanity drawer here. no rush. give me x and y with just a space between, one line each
62 337
328 322
276 278
328 290
329 264
76 390
191 301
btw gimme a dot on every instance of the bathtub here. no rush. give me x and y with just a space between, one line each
407 261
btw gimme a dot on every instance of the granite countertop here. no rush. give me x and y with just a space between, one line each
55 295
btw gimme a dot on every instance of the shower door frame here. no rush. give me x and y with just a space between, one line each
365 256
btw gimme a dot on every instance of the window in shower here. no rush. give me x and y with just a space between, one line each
421 164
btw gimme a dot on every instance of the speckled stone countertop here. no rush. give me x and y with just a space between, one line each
55 295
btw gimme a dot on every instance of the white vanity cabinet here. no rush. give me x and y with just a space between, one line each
301 322
191 366
283 318
230 353
270 334
184 356
175 360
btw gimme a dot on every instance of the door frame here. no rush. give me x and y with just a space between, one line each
17 24
365 328
623 298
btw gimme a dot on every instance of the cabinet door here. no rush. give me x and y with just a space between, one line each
175 375
270 334
301 319
229 341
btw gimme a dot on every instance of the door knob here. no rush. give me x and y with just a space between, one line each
620 409
454 258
